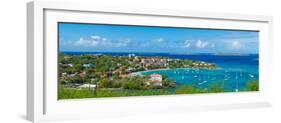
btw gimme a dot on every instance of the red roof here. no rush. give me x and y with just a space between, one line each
156 75
155 81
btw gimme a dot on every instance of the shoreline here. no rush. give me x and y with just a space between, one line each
139 72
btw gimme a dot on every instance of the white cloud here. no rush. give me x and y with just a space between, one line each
158 40
95 37
235 45
212 45
201 44
86 42
97 41
186 44
151 43
197 44
146 44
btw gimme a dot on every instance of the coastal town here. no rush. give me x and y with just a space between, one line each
99 71
105 60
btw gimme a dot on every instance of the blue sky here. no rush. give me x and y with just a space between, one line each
121 38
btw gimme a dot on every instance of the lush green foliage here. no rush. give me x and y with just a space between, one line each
253 86
217 87
107 66
134 90
73 93
111 75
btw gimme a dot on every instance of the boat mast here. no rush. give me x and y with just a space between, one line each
236 82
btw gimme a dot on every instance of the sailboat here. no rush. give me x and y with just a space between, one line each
226 77
199 78
236 90
196 76
202 82
252 76
241 73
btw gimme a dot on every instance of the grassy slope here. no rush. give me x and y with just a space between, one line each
71 93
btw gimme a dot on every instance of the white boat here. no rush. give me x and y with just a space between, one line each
252 76
236 82
226 77
202 82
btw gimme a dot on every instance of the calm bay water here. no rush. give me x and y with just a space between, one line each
233 73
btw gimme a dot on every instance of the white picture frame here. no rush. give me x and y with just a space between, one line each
42 103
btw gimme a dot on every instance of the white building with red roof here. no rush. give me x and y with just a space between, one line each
155 79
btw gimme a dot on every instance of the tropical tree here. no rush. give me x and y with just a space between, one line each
253 86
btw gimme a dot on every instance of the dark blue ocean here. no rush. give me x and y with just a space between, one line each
233 72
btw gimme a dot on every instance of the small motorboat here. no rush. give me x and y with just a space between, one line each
252 76
202 82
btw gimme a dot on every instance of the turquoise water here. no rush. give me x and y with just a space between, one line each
234 71
202 78
231 74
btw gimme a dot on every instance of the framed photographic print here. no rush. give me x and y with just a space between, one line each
93 61
106 60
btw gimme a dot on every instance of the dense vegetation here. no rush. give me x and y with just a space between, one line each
71 93
112 77
253 86
113 71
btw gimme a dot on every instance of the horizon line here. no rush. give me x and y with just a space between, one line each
151 52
